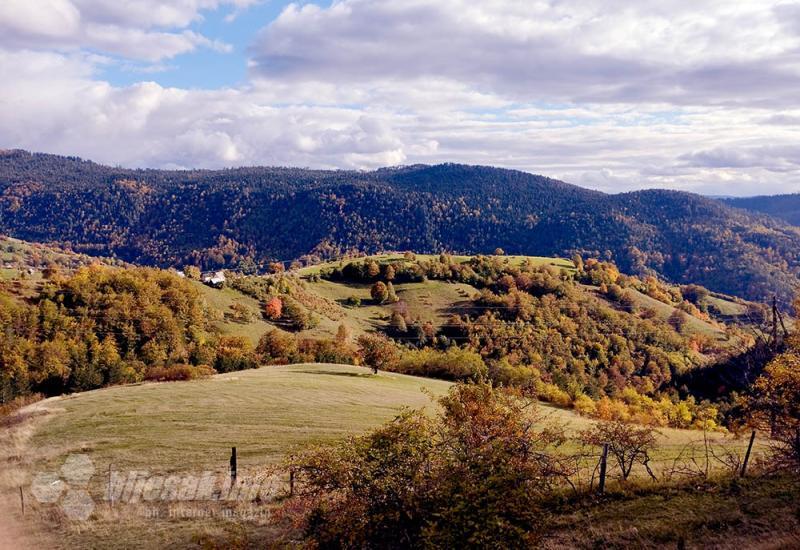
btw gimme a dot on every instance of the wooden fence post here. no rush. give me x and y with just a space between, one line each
291 482
22 500
233 465
603 462
747 454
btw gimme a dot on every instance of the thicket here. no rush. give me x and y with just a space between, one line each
487 470
102 326
540 329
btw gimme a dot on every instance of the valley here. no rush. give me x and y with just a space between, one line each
381 275
154 371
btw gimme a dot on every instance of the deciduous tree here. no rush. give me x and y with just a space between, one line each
379 292
377 352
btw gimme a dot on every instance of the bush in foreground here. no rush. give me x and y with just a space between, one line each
472 476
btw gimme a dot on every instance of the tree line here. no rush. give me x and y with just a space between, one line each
248 218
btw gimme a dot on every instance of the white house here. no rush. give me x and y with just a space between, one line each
213 278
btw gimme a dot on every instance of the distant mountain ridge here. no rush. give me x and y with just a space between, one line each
245 217
784 207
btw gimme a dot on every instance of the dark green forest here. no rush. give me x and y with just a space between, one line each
784 207
247 217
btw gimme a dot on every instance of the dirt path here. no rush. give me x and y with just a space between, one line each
20 532
13 534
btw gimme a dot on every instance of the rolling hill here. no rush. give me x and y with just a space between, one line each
244 218
185 430
188 428
784 207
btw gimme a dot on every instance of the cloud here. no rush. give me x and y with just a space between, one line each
613 95
147 30
672 51
55 104
783 158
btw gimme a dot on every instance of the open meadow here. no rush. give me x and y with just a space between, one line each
174 428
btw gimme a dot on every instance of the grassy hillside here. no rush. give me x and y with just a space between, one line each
266 413
189 427
222 300
560 263
432 300
17 255
694 325
757 513
22 264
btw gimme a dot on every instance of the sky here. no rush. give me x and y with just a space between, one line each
700 95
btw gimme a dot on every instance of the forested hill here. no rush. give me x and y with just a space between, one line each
784 207
246 217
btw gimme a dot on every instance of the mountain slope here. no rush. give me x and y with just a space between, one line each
784 207
246 217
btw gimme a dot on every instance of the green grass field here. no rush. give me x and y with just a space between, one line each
266 413
181 427
221 300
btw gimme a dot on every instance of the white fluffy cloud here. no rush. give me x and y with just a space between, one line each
148 30
614 95
674 51
53 104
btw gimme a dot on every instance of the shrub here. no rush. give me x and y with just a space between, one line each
472 477
241 313
179 372
276 347
552 394
235 353
327 351
453 364
19 402
504 373
627 444
297 317
678 320
192 272
273 309
583 404
379 292
774 405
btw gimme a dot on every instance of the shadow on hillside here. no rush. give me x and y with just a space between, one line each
338 373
